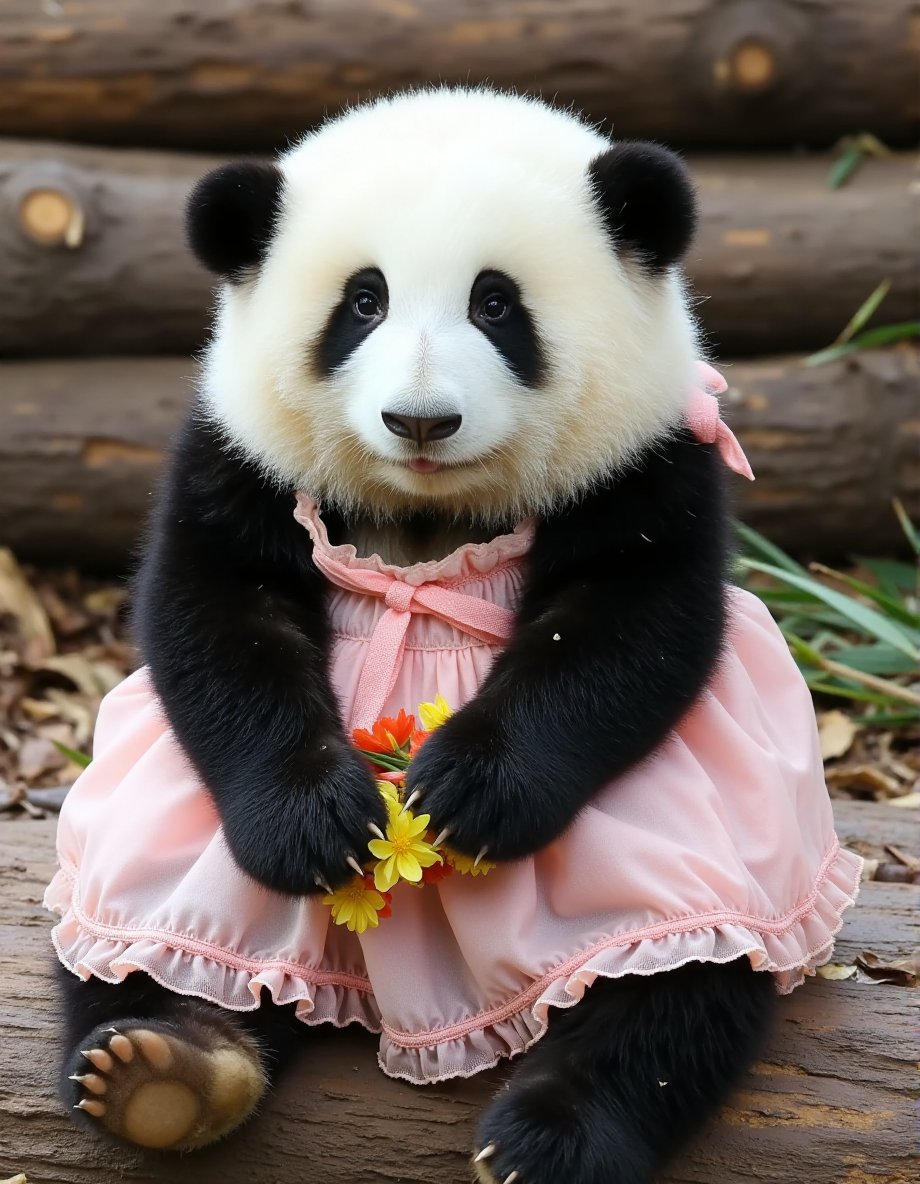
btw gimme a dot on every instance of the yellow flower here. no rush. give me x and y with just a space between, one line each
404 852
356 905
464 863
434 714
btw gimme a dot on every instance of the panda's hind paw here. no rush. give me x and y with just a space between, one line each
155 1085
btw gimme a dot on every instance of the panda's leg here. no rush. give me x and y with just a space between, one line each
623 1078
163 1070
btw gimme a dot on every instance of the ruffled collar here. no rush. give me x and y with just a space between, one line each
470 561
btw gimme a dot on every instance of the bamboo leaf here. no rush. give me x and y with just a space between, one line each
845 166
878 658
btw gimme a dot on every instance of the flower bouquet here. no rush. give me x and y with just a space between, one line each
407 850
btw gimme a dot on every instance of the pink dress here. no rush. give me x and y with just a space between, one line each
720 845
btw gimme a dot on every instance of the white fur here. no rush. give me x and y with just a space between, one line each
433 187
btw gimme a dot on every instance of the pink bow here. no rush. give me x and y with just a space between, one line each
478 618
706 423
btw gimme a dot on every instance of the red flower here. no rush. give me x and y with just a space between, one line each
387 910
435 874
386 735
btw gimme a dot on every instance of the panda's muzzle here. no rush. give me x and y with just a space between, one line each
420 429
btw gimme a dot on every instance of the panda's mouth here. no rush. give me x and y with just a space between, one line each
420 465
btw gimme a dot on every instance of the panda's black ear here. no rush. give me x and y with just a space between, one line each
231 216
647 201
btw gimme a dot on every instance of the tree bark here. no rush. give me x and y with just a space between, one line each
81 443
830 1101
249 75
93 259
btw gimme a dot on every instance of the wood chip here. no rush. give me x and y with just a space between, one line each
907 801
836 971
905 857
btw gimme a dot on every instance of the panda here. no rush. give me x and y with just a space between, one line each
448 440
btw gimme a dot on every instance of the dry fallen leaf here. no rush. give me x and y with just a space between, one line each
909 801
904 972
19 601
865 777
836 732
18 1179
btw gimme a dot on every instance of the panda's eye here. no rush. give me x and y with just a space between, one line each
366 305
495 307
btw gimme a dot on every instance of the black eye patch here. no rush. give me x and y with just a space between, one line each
363 306
498 312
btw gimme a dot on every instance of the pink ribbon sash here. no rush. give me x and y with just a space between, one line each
707 424
477 618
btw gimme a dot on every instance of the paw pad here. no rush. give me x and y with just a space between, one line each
167 1089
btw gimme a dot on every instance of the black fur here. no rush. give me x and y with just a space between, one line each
618 629
234 628
647 201
232 622
345 328
515 334
231 217
621 1080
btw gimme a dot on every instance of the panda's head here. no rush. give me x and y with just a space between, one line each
450 299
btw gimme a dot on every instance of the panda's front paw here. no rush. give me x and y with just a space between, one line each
308 828
484 791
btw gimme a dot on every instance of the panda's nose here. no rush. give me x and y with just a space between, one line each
419 429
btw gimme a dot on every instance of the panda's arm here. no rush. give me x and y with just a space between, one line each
232 622
619 627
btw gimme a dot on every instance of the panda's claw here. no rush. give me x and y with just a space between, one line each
484 1153
411 800
91 1106
321 883
90 1081
480 857
354 865
98 1058
375 830
442 837
511 1177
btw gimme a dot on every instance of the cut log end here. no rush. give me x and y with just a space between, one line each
51 218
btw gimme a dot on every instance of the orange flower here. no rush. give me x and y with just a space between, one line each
386 735
416 740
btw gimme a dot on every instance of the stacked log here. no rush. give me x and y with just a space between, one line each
81 443
781 262
93 266
246 76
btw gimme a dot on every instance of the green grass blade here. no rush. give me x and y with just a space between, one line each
883 335
80 759
845 166
762 548
889 719
910 531
864 313
893 577
877 658
892 606
866 619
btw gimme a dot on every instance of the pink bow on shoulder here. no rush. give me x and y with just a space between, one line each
707 424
